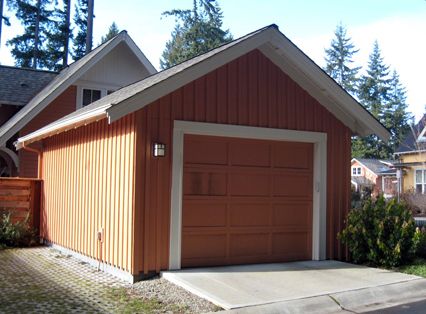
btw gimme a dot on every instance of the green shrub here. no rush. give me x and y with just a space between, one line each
16 234
420 242
380 233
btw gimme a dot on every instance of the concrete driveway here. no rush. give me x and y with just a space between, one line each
312 282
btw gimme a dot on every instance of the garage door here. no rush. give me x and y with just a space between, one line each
246 201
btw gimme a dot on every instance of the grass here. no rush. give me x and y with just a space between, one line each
127 303
417 267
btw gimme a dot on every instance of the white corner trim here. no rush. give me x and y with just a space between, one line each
319 215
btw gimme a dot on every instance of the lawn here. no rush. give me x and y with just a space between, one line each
417 267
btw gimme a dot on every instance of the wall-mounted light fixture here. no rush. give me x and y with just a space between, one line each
159 150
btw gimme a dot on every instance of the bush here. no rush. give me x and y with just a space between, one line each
416 202
380 233
16 234
420 242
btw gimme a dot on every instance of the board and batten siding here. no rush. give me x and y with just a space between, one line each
62 105
88 185
250 91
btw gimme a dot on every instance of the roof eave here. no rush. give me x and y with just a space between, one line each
62 125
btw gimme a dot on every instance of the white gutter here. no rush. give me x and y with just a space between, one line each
62 125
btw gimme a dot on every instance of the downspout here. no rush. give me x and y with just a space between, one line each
39 158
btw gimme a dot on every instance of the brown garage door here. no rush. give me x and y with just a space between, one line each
246 201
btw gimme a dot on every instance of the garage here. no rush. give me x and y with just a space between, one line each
246 201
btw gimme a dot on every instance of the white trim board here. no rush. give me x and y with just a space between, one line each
319 172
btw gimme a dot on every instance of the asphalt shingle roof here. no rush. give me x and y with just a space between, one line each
19 85
376 165
410 142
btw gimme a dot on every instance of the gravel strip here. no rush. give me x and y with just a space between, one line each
174 297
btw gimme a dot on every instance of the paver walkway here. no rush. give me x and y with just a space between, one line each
43 280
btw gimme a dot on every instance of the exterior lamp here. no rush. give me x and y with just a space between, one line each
159 150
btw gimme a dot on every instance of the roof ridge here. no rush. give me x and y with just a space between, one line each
28 69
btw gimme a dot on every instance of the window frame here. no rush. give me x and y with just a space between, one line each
105 90
356 171
422 182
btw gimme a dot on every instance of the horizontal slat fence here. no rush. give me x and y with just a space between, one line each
21 196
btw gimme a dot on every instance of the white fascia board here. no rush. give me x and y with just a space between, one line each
367 122
140 55
422 136
186 76
411 152
57 91
62 125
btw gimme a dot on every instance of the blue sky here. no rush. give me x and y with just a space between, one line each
398 25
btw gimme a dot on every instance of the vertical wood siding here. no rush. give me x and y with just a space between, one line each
88 178
249 91
64 104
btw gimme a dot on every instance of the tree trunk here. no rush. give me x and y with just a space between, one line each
67 38
89 33
36 35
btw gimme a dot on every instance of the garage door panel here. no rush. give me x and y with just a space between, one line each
248 214
248 201
204 183
203 246
248 184
204 214
255 244
293 155
292 214
292 244
207 152
293 185
250 153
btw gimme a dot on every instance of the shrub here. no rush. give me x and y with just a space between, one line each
380 233
420 242
16 234
416 202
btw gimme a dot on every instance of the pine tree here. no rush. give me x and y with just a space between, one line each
3 19
80 20
29 49
196 31
339 58
396 119
112 32
58 38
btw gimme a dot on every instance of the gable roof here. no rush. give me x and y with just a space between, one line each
414 141
66 78
19 85
268 40
377 166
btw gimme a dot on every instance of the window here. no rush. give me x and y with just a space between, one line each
420 181
356 171
90 95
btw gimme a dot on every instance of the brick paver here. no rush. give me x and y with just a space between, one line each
43 280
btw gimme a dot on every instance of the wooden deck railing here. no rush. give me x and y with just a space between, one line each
21 196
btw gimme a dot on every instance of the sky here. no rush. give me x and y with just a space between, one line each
399 26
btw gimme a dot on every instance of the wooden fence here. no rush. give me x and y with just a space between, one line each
21 196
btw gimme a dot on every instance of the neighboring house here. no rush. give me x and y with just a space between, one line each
374 176
411 155
239 155
17 87
44 97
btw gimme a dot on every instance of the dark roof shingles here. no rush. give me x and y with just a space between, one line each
19 85
410 142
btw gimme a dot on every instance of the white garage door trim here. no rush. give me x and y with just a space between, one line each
319 181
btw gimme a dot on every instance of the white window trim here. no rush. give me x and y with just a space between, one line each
423 177
89 85
356 171
319 181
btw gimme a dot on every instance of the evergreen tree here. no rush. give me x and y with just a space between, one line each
3 19
58 38
112 32
396 119
80 20
29 49
339 59
197 31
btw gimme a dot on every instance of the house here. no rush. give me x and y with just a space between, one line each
374 176
240 155
31 99
411 155
17 87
